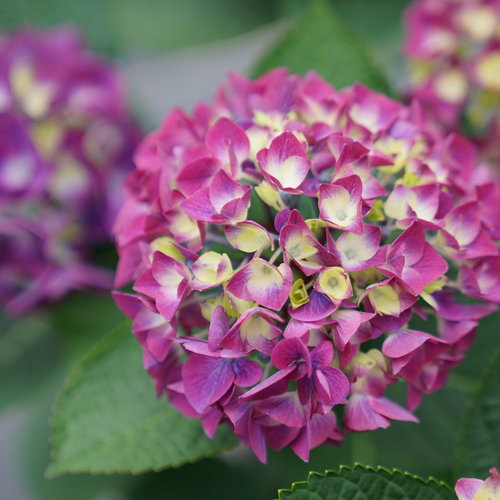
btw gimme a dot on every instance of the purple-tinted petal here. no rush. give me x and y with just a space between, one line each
206 380
246 372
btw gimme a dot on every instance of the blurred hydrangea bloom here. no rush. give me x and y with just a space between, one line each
475 489
66 143
281 239
454 50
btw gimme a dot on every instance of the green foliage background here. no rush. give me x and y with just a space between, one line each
359 41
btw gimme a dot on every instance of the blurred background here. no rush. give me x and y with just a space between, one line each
175 53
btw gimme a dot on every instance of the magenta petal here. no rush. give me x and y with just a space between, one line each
257 440
290 351
271 386
228 142
331 385
285 164
467 487
285 409
129 304
263 283
301 445
246 372
389 409
211 420
279 436
206 380
219 326
360 416
400 343
347 324
199 206
322 354
318 307
196 175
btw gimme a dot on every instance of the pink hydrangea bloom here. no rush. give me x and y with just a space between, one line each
272 235
476 489
454 52
66 143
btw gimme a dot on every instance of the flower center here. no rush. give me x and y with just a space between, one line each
341 215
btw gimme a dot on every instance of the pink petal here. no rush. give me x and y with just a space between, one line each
292 352
285 409
206 380
246 372
285 165
228 142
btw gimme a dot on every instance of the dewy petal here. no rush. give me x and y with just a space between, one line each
285 164
263 283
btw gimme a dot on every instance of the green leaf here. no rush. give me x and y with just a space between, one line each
321 41
366 482
108 420
28 351
128 26
478 443
33 451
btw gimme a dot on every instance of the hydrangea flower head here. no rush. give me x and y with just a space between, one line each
476 489
454 51
281 239
66 142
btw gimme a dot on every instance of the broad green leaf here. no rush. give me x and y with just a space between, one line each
107 419
35 346
478 446
366 482
28 350
33 450
320 41
81 320
131 27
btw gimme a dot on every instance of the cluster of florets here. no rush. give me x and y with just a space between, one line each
280 242
66 142
454 49
468 488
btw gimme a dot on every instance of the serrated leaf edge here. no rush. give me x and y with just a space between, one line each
367 468
70 382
